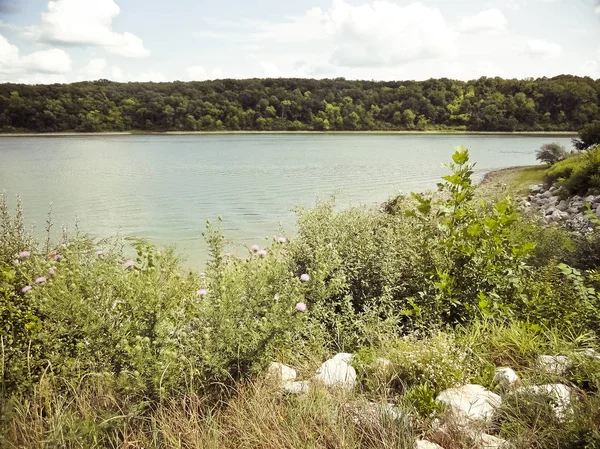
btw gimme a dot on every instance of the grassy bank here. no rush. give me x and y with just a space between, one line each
103 352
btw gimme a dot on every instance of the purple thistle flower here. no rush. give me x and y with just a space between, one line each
129 264
51 271
255 248
301 307
202 292
58 257
24 254
282 240
262 252
305 277
41 280
26 288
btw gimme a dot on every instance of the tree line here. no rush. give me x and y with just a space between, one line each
562 103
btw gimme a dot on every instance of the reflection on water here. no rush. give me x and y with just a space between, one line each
166 187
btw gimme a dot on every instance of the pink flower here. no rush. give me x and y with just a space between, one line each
58 257
51 271
301 307
202 292
282 240
24 254
40 280
26 288
262 252
305 277
129 263
255 248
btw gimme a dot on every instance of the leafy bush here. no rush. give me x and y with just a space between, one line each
589 137
551 153
577 173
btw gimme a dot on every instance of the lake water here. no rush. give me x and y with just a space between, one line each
165 187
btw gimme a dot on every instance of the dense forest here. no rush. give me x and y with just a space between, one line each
487 104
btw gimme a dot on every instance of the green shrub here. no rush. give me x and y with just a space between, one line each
551 153
578 173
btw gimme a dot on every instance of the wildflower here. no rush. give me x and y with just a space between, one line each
58 257
282 240
16 262
26 288
24 254
129 263
202 275
255 248
202 292
51 271
305 277
276 297
41 280
227 254
99 252
262 252
301 307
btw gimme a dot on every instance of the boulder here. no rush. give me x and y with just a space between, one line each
344 357
470 402
505 378
562 206
551 364
424 444
558 394
589 199
535 188
336 372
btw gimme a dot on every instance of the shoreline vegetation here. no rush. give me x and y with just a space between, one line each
561 103
351 334
225 133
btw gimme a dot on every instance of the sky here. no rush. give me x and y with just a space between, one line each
193 40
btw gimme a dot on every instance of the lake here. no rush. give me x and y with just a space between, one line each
165 187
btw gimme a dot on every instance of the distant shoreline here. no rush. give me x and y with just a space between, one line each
209 133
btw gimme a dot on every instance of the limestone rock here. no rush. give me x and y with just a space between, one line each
472 402
336 372
486 441
296 387
344 357
505 378
559 395
550 364
281 373
535 188
424 444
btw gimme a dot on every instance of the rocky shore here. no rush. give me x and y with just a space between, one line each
553 205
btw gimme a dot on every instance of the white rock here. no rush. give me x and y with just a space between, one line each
281 373
589 199
562 206
337 373
505 377
296 387
559 394
535 188
344 357
472 402
491 442
550 364
424 444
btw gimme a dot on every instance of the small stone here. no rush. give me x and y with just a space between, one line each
424 444
296 387
491 442
472 402
589 199
550 364
535 188
505 378
562 206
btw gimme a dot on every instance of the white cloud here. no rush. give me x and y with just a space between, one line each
120 76
199 73
270 69
485 21
95 69
44 62
87 23
590 68
543 49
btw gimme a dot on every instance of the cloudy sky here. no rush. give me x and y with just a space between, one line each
151 40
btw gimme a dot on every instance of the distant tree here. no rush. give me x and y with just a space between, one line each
551 153
589 137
